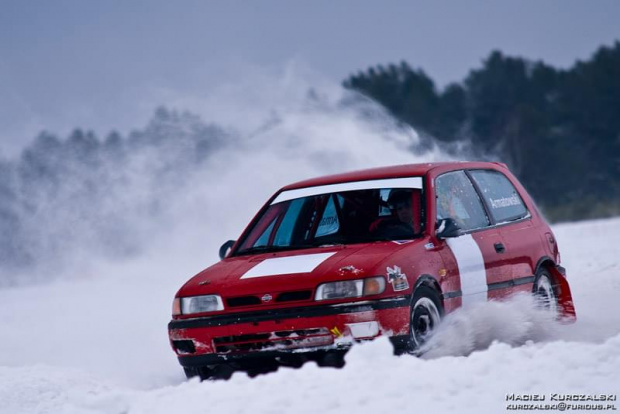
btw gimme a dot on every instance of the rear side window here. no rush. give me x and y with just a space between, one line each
457 199
501 196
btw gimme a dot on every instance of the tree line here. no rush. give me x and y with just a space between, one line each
557 129
107 195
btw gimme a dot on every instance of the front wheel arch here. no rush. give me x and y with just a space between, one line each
431 282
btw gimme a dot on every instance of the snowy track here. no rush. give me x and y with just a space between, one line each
98 345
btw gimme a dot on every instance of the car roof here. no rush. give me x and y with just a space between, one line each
396 171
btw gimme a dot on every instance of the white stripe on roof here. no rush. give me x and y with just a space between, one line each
407 182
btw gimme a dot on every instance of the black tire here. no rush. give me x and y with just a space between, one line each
425 314
544 291
260 366
332 359
190 372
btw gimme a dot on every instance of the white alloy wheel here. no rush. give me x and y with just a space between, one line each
544 292
425 318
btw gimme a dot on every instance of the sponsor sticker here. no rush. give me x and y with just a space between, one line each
505 201
336 332
397 278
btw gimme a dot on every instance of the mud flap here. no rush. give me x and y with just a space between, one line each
565 299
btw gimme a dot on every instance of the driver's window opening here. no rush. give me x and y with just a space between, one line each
457 199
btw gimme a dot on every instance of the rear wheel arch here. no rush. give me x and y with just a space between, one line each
561 288
545 290
545 262
547 267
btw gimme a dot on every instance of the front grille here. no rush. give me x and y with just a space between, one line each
253 300
277 340
243 301
242 338
293 296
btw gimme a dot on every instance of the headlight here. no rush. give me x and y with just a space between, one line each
199 304
176 307
350 288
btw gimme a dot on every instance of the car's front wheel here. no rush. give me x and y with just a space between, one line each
215 372
426 313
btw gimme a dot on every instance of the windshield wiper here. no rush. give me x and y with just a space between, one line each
269 249
264 249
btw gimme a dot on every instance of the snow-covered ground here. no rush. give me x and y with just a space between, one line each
98 345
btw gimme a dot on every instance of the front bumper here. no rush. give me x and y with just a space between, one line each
281 332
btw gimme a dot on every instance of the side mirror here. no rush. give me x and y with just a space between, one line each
225 249
447 228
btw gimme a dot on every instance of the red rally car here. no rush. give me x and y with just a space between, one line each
389 251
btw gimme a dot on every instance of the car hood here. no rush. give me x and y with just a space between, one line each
271 273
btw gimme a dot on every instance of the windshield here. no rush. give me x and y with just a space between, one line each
344 217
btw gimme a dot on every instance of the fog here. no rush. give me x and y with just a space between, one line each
188 180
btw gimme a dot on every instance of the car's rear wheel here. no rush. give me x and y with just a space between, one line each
426 313
544 291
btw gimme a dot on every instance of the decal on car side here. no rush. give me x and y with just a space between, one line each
336 332
397 278
470 264
505 201
303 263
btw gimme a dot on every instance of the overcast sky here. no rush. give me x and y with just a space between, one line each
100 64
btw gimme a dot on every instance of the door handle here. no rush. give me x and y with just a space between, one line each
499 248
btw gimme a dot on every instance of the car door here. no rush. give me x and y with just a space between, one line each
510 216
475 257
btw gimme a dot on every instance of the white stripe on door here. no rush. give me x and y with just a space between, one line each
471 268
